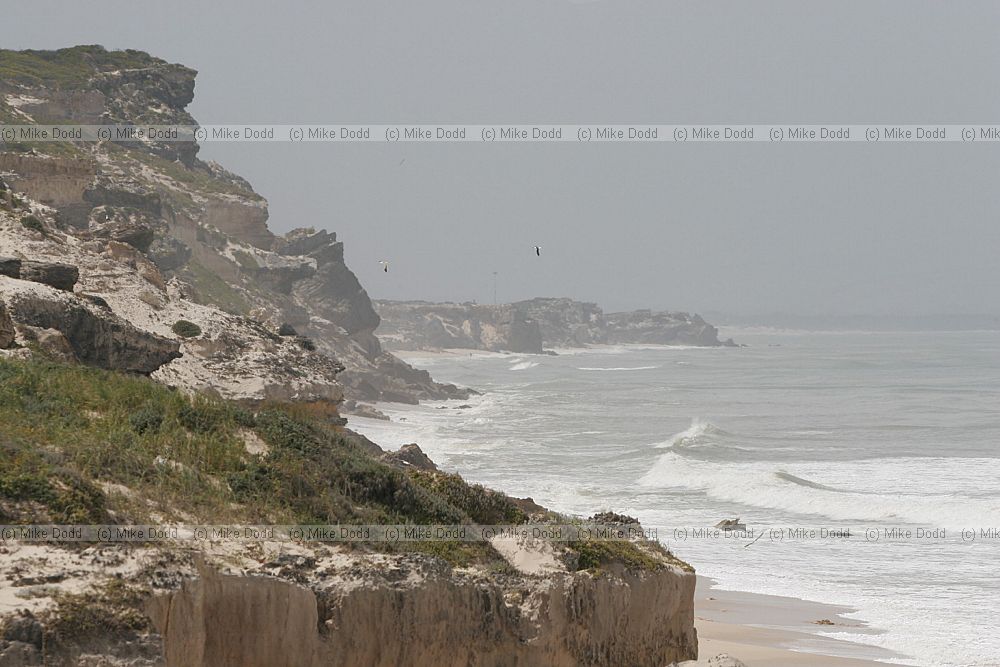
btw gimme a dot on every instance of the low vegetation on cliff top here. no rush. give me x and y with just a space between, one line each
68 68
83 445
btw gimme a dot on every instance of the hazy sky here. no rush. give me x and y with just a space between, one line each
810 229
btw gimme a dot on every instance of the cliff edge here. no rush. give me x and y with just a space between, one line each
198 232
533 325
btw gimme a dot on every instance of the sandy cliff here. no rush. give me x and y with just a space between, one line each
201 228
416 612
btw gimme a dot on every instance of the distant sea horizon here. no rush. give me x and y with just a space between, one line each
873 323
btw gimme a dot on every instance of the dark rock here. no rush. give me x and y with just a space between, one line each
11 267
19 654
53 274
51 342
410 456
139 237
731 524
613 519
305 241
528 506
168 254
7 332
287 329
97 338
98 301
361 441
282 279
24 628
107 194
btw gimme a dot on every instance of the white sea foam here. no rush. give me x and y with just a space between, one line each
523 365
617 368
692 435
765 486
799 435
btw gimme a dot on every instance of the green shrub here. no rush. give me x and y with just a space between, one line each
33 223
201 416
25 486
647 556
482 505
77 501
146 419
186 329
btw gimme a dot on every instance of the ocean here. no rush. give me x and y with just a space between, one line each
894 437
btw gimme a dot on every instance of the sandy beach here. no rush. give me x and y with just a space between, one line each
766 631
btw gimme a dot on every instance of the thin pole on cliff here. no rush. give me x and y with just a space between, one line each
494 288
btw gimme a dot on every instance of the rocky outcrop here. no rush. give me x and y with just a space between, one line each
97 337
527 326
123 313
54 274
662 328
424 325
10 267
59 182
190 221
565 322
410 456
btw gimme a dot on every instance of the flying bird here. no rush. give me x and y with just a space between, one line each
385 265
538 250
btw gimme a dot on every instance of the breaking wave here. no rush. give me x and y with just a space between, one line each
699 434
758 485
618 368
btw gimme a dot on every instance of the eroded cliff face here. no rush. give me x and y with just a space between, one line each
420 325
103 302
528 326
202 228
413 610
662 328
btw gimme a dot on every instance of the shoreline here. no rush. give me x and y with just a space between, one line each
765 630
762 630
757 629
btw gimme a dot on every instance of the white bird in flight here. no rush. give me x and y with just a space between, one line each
538 250
385 265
